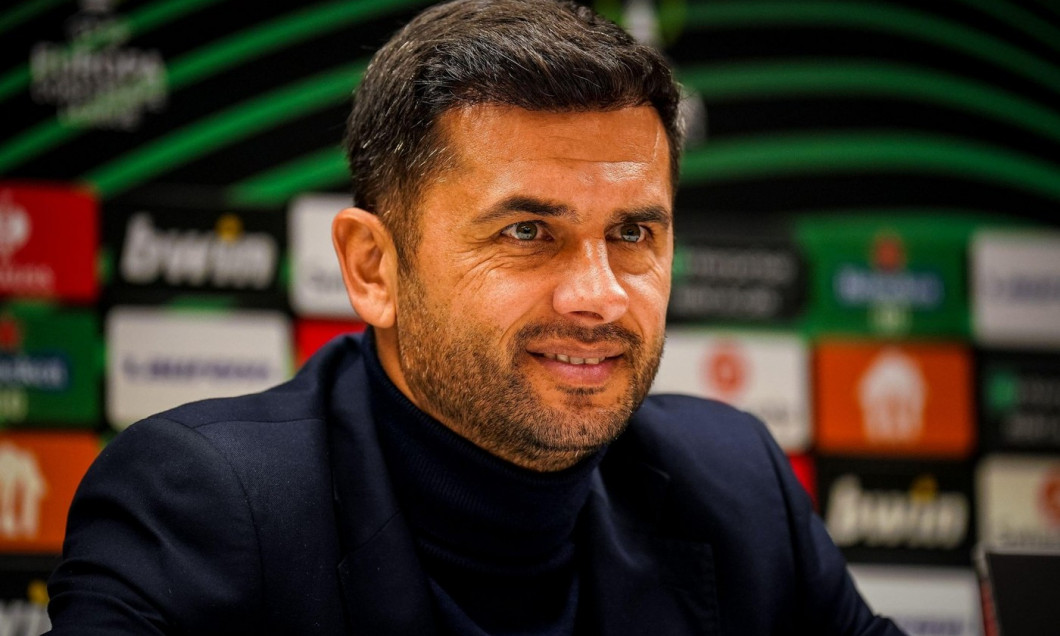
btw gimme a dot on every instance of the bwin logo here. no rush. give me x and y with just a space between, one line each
919 518
225 257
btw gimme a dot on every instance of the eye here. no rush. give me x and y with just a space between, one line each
524 231
632 233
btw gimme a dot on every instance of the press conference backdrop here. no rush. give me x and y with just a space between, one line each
867 253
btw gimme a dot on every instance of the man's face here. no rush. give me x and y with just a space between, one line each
532 319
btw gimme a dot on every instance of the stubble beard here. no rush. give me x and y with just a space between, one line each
457 374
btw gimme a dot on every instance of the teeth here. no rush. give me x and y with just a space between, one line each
571 360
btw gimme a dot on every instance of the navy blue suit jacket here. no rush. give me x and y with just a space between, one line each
273 514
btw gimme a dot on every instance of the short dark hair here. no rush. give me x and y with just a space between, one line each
541 55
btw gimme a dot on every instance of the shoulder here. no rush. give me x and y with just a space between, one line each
678 429
303 398
727 483
193 519
288 420
271 444
719 461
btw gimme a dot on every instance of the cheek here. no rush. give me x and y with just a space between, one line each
649 294
500 295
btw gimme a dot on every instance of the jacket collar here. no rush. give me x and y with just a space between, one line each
639 579
384 589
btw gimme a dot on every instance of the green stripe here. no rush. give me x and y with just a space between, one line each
323 169
224 128
869 153
25 11
888 19
797 79
278 34
1020 19
223 54
28 143
327 168
13 81
945 223
725 161
141 21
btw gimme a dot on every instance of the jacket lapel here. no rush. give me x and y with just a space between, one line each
640 581
383 586
384 589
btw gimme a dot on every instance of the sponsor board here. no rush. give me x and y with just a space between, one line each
895 400
161 358
1019 501
162 252
317 289
891 511
1019 394
48 242
735 281
310 335
765 374
885 277
39 472
49 366
1016 288
923 601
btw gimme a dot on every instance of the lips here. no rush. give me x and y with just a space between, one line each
582 364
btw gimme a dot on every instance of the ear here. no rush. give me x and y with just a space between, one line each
369 265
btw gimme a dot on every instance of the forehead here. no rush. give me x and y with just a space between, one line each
611 144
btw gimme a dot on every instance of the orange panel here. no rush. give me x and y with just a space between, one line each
896 400
39 472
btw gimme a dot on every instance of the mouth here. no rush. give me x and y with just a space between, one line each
567 357
571 359
579 364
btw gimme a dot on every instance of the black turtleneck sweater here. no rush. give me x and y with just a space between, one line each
496 540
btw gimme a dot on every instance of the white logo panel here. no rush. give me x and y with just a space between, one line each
161 358
764 374
317 289
1019 501
1016 288
923 601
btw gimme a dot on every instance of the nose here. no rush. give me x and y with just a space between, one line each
588 289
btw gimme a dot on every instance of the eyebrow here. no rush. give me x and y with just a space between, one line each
529 205
647 214
541 207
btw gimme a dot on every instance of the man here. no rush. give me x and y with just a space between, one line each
484 460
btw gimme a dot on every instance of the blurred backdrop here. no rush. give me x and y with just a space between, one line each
867 258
